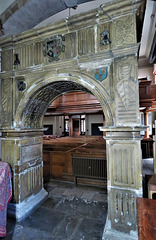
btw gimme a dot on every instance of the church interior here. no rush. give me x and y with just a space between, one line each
78 119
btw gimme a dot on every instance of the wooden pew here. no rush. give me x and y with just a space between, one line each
146 212
57 154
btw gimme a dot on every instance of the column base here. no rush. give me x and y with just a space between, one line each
22 210
110 234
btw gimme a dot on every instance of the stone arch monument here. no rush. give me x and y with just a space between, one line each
33 105
94 52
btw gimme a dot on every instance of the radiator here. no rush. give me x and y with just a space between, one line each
88 167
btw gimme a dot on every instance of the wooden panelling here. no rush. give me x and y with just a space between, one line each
81 101
75 102
153 91
57 153
146 218
74 97
147 94
145 89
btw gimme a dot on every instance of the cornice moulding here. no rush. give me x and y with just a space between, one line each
107 12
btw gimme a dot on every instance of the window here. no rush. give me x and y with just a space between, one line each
150 123
142 122
66 126
83 124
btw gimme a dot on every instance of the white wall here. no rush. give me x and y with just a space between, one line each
57 122
146 72
92 119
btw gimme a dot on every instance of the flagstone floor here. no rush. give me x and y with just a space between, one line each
69 213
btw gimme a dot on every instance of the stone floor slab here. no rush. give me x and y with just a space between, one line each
89 230
63 216
88 195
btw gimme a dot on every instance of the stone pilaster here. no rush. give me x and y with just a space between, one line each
22 149
124 181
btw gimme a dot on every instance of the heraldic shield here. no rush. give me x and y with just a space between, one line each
53 48
101 73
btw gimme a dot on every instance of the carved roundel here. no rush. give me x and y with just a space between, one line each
21 85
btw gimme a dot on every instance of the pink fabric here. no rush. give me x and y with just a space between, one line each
5 194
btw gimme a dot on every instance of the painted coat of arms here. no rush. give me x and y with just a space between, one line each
101 73
53 48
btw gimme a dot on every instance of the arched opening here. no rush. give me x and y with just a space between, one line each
33 106
28 132
74 114
74 139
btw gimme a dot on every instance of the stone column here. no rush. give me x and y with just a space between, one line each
22 149
124 181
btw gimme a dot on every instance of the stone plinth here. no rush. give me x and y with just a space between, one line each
22 149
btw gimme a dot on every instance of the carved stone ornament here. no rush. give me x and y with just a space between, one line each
101 73
105 38
126 85
21 85
54 47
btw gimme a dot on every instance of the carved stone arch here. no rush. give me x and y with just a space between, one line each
32 107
